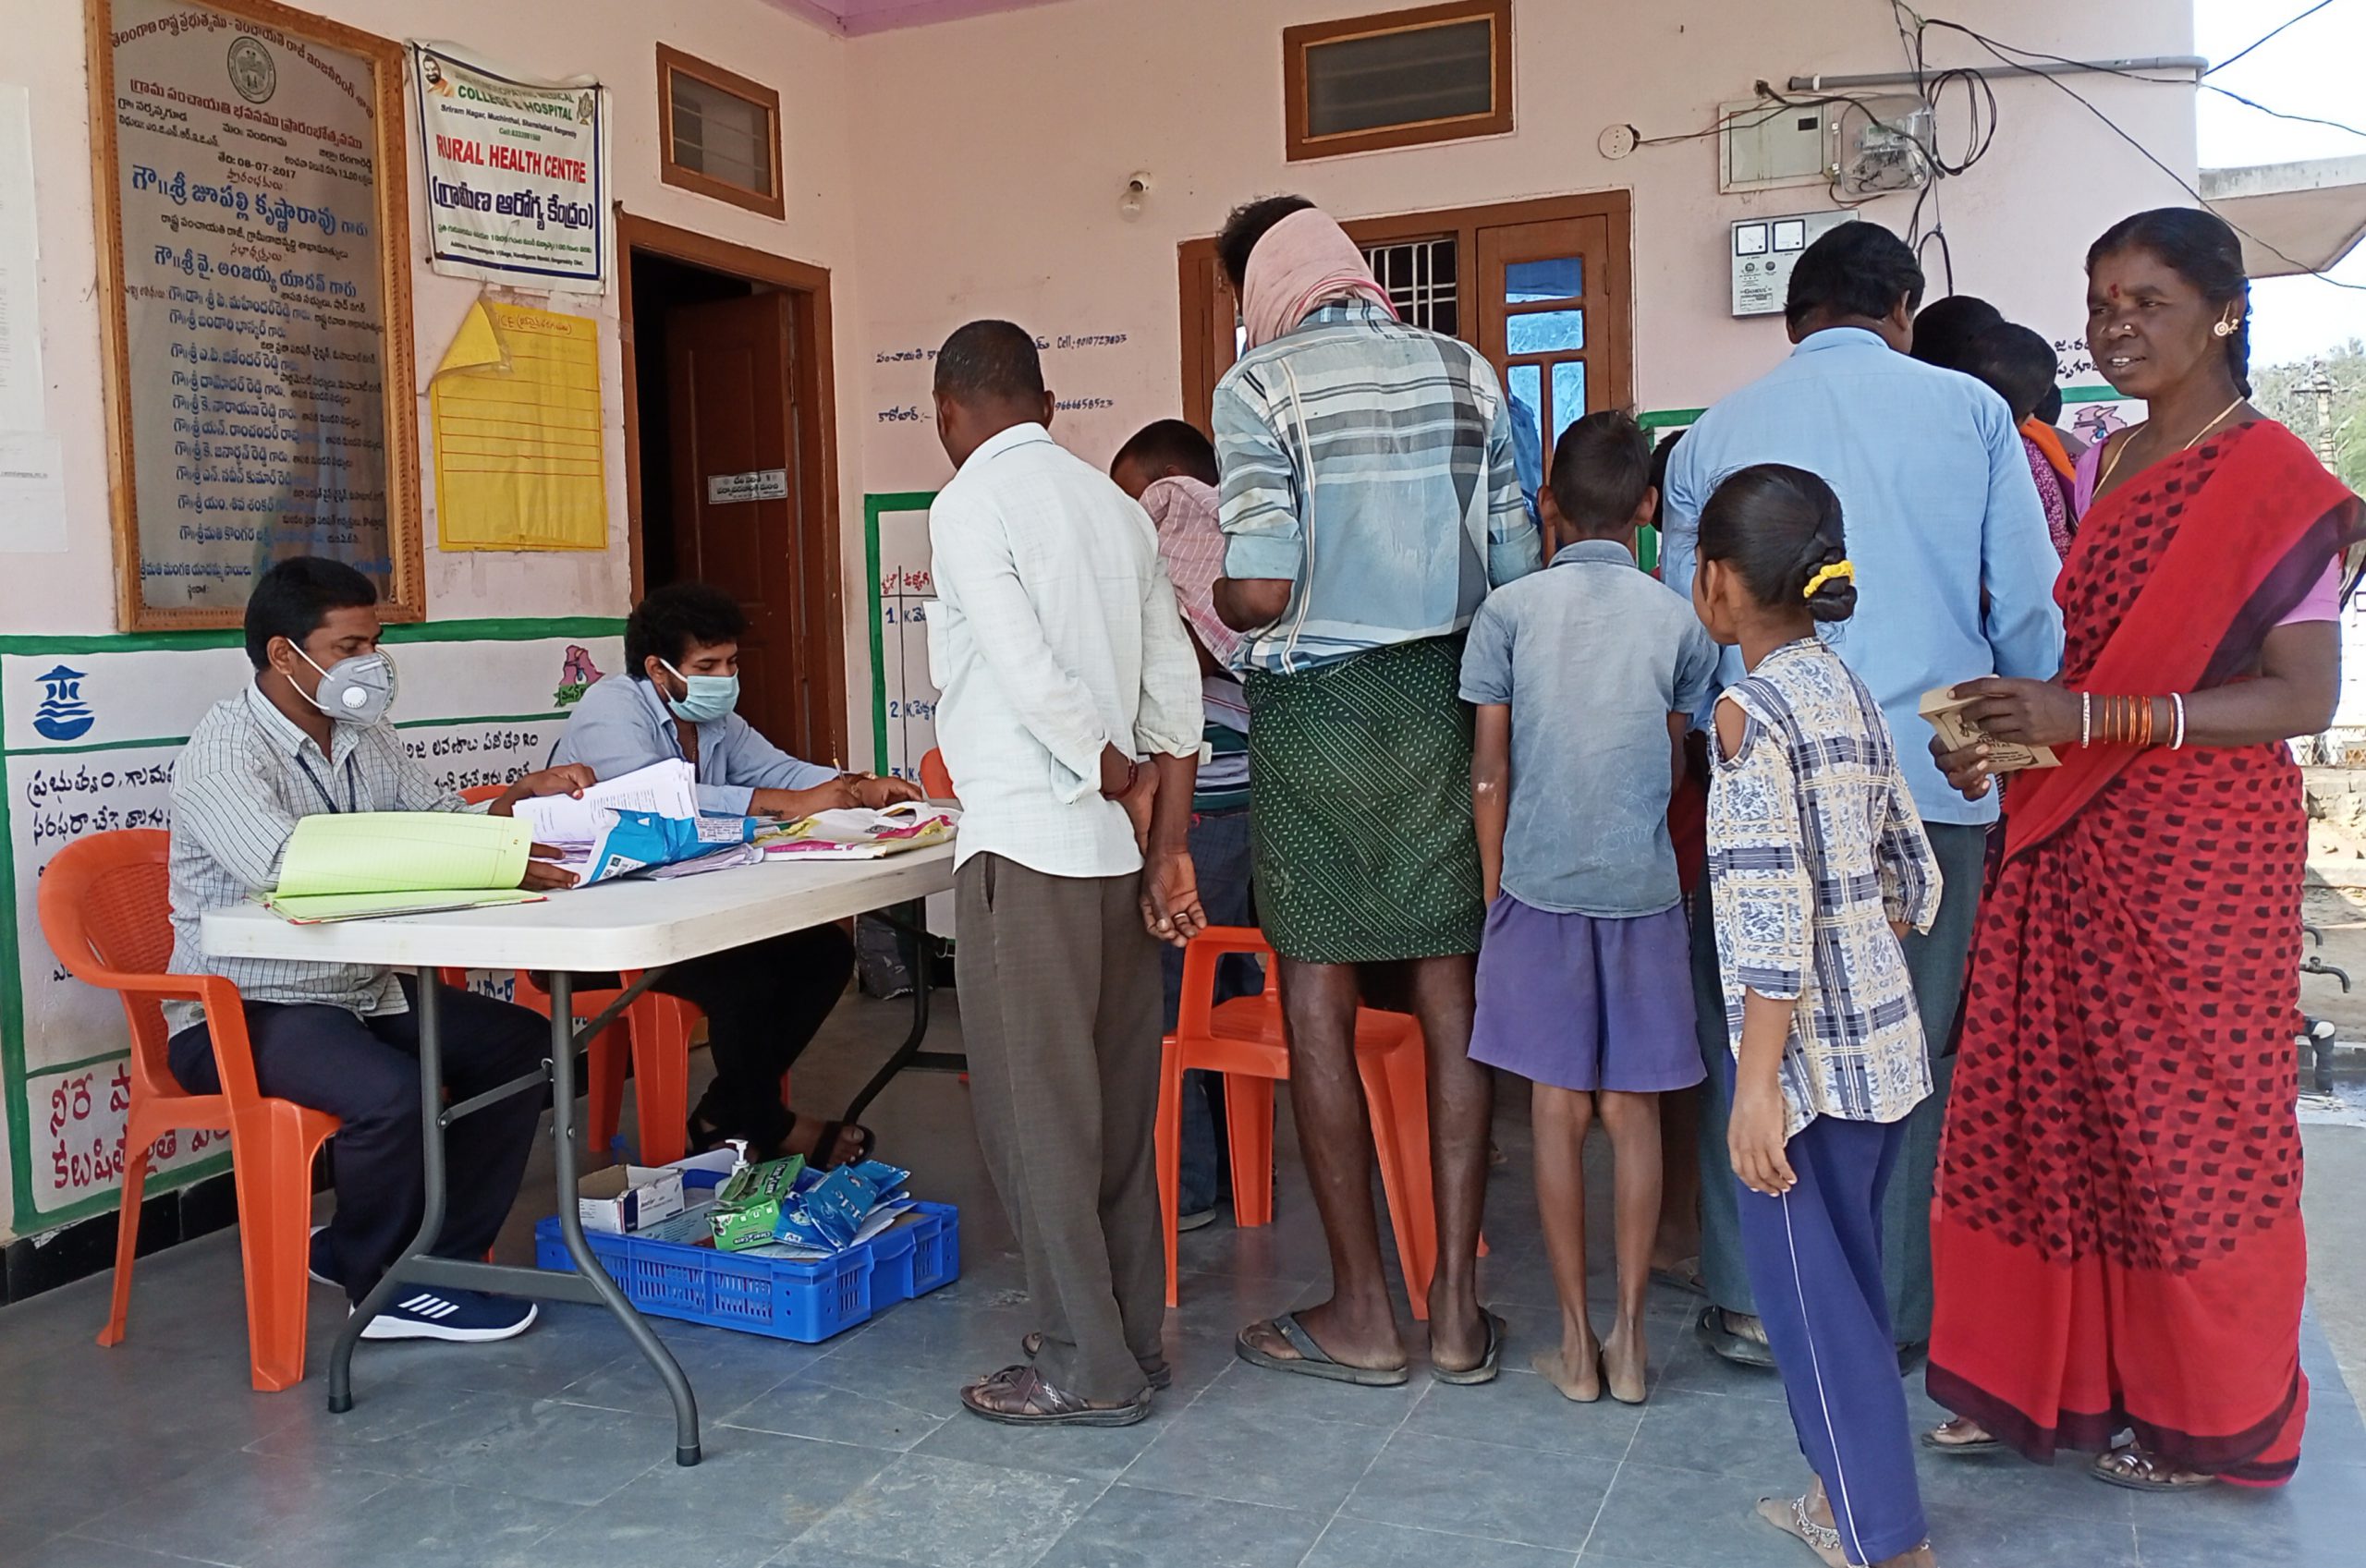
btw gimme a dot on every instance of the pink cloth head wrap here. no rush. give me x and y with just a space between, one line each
1298 263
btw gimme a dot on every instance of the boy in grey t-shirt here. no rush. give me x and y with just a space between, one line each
1584 675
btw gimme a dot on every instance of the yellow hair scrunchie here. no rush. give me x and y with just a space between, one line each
1837 569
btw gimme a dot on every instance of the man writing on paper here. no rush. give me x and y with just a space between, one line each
310 735
765 1001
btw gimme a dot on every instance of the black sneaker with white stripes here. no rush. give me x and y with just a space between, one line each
425 1312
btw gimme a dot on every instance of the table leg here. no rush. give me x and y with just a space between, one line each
431 1224
570 1226
908 1054
589 1284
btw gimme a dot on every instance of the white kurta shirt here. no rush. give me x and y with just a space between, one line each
1054 635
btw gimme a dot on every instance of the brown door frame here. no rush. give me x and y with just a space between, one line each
817 467
1207 339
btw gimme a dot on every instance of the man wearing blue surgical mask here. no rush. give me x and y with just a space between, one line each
763 1002
309 735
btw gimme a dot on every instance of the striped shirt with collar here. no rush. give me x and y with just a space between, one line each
1369 464
240 786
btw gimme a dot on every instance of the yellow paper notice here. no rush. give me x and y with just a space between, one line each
518 444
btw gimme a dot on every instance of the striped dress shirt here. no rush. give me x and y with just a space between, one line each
240 785
1369 464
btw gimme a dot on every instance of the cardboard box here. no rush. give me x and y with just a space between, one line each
623 1198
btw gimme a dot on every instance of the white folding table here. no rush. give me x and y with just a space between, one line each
625 925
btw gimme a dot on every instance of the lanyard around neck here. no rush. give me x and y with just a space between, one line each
351 799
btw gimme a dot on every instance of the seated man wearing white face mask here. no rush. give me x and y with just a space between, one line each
763 1001
309 735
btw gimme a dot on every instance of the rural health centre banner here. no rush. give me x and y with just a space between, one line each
88 730
517 173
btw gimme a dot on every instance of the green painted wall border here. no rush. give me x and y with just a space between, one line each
874 509
12 999
494 629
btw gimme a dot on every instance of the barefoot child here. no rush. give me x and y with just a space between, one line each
1585 675
1817 865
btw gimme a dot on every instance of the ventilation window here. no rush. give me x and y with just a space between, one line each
720 132
1434 73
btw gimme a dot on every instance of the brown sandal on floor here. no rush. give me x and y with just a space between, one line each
1018 1396
1160 1375
2130 1466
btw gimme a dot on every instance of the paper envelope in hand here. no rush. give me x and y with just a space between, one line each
1944 710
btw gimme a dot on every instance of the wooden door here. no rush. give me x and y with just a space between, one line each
1543 314
741 520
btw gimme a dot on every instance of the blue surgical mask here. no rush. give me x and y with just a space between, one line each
710 696
357 690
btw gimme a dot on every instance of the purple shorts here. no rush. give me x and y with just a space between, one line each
1585 1003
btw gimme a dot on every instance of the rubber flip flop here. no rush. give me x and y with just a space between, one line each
1489 1363
1937 1444
1313 1360
1685 1276
1711 1330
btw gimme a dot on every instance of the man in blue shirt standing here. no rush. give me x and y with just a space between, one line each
1955 579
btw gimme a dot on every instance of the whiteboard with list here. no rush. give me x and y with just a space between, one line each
903 596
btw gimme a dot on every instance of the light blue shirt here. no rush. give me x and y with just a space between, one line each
1938 504
622 723
1368 464
1591 656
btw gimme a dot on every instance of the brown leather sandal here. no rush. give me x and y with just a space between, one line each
1018 1396
1160 1375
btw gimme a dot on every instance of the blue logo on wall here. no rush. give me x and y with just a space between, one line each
63 715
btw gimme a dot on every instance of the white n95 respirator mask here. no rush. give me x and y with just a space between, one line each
357 690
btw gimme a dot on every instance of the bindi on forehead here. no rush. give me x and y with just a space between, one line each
2114 291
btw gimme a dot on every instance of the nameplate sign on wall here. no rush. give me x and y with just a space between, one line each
516 174
756 484
254 264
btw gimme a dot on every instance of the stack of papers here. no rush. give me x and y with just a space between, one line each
860 833
669 788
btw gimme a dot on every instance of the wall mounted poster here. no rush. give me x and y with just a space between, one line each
255 259
515 177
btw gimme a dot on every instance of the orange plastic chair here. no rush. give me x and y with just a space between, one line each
106 909
1243 1039
935 778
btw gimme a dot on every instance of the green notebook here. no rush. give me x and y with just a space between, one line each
347 866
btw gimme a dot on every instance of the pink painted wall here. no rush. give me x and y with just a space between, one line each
974 167
1005 141
614 39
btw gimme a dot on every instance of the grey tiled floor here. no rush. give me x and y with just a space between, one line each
554 1448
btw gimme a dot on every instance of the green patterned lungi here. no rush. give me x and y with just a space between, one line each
1360 807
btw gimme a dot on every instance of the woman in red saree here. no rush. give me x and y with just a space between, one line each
2117 1241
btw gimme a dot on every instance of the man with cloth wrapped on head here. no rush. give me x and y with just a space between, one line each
1369 502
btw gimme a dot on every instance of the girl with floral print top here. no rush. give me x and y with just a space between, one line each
1818 864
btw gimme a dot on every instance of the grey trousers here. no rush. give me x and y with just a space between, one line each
1059 988
1935 962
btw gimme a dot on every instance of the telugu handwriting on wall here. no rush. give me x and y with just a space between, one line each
912 411
253 304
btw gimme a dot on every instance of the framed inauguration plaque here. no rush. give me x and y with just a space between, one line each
254 264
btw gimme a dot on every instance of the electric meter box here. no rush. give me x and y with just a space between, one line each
1763 250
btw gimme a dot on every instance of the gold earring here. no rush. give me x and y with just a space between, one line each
2223 329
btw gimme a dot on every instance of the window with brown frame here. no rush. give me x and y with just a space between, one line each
1437 73
718 133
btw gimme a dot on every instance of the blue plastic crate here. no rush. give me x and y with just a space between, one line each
805 1302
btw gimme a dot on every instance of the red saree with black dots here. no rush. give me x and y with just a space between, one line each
2117 1242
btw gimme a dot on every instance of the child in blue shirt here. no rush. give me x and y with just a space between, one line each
1584 675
